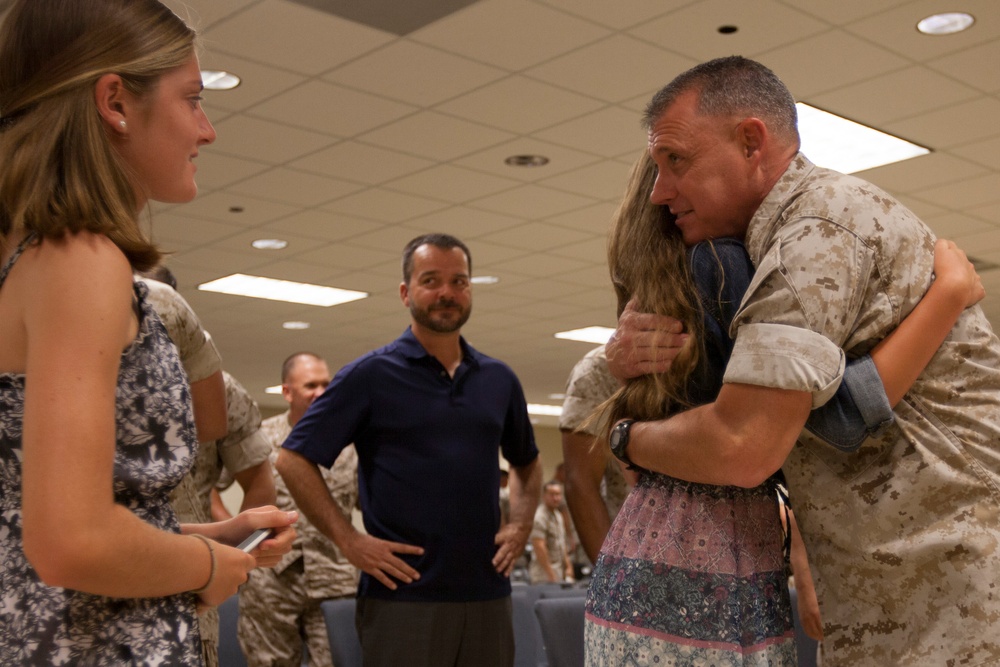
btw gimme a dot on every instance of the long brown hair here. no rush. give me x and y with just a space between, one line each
58 170
649 264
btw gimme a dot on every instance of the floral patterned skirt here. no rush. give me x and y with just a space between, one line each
691 574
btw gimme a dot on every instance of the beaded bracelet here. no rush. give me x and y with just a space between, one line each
211 554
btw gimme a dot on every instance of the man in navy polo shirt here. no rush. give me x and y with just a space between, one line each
427 414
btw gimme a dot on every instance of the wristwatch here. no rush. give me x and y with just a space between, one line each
619 441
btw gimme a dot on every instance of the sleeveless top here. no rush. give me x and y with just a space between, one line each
155 445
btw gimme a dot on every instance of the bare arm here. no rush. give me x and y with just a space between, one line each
370 554
74 534
541 554
805 590
208 397
902 356
740 439
525 488
257 483
585 461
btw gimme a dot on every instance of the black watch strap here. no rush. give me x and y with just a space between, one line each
619 440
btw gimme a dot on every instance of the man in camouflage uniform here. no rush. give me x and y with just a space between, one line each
904 532
280 607
595 484
241 452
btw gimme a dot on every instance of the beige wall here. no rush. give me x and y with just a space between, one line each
549 449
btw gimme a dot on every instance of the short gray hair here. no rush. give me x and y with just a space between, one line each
732 86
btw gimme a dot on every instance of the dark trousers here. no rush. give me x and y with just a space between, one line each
435 634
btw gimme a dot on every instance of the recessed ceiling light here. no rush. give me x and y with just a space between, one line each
527 161
218 80
270 244
557 397
295 326
946 24
599 335
845 146
258 287
276 389
544 410
484 280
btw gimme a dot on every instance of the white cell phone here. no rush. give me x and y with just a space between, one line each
256 537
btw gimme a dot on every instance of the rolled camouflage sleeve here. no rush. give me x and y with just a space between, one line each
590 384
798 311
244 446
198 352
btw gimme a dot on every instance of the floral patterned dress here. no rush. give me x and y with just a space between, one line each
694 574
156 443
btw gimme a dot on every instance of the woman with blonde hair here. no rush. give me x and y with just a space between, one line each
99 113
693 573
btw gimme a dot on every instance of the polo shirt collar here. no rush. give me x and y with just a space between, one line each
410 347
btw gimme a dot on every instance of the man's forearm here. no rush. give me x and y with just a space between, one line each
312 496
740 439
585 463
525 489
257 483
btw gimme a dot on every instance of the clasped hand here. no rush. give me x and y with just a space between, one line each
643 343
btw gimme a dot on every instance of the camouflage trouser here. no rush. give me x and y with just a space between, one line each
208 625
276 613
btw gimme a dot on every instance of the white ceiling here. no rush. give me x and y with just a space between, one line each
347 141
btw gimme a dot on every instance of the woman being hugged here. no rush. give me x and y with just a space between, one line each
99 113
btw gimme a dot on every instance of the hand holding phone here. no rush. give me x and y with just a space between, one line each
256 537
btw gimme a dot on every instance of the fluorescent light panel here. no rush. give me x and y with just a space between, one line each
598 335
276 389
543 410
845 146
258 287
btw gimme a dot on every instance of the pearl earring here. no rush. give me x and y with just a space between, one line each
122 125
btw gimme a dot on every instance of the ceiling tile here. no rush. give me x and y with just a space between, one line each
915 90
532 202
294 187
969 192
252 212
608 132
839 12
604 180
520 105
897 28
383 205
361 163
436 136
619 14
561 159
954 225
952 126
464 222
297 38
322 225
694 29
201 15
917 174
513 34
808 70
258 82
216 170
986 153
537 236
452 184
266 141
414 73
978 67
613 69
331 109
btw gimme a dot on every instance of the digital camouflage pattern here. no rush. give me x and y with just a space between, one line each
590 384
276 603
905 532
